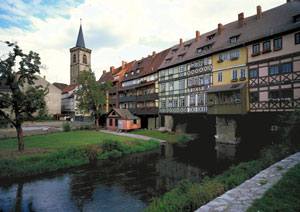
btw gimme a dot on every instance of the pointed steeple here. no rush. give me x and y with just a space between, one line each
80 40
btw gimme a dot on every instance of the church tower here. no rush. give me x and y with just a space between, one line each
80 58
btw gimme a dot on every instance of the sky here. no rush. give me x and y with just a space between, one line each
114 30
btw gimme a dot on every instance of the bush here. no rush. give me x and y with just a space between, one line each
184 139
66 126
110 145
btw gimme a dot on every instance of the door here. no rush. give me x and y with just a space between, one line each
120 124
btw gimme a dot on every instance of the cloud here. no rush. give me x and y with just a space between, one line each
114 30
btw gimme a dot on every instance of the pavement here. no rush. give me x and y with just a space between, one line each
241 198
142 137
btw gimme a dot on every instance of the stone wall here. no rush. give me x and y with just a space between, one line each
169 122
226 130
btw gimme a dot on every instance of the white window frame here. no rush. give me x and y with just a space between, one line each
234 74
220 76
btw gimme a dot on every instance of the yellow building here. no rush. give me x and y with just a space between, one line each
229 94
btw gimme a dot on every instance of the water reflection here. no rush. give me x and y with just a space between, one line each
126 184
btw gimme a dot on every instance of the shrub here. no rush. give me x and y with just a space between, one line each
110 145
66 126
184 139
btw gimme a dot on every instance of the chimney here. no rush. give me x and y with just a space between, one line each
104 72
180 42
197 35
123 64
241 19
220 28
112 69
44 77
259 14
153 53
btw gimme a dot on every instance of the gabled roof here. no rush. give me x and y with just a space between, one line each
69 88
273 21
80 40
146 65
60 86
124 113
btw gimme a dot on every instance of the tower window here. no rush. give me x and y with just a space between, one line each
84 59
74 58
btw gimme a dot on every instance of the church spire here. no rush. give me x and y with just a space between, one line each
80 40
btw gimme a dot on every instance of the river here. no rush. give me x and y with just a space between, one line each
125 184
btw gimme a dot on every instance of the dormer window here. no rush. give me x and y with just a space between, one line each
168 61
233 39
138 71
199 50
139 63
186 46
210 37
297 19
180 56
207 47
173 51
126 75
132 73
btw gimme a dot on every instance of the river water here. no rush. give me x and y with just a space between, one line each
125 184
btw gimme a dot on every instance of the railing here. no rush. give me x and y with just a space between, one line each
127 99
147 97
190 109
147 111
227 108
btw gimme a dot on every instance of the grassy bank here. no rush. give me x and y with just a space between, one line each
164 136
283 196
81 150
188 197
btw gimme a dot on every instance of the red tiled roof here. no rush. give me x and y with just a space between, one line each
60 86
273 21
69 88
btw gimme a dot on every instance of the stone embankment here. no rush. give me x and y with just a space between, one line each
240 198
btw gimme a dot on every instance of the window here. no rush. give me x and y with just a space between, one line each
287 93
171 71
181 84
175 103
273 70
286 68
266 46
200 99
297 19
181 68
254 97
255 50
84 59
110 122
126 75
273 94
297 38
139 63
233 39
116 122
162 73
220 77
192 100
234 74
173 51
243 73
180 57
171 86
207 80
277 43
168 61
201 81
253 73
220 57
163 104
163 87
132 73
199 50
170 103
186 46
190 82
207 47
138 71
210 37
182 102
74 58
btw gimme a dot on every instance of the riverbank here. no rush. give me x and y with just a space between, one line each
189 197
65 150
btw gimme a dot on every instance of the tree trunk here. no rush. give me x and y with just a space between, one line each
20 138
97 123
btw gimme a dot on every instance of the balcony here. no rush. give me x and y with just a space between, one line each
228 108
127 99
147 97
147 111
